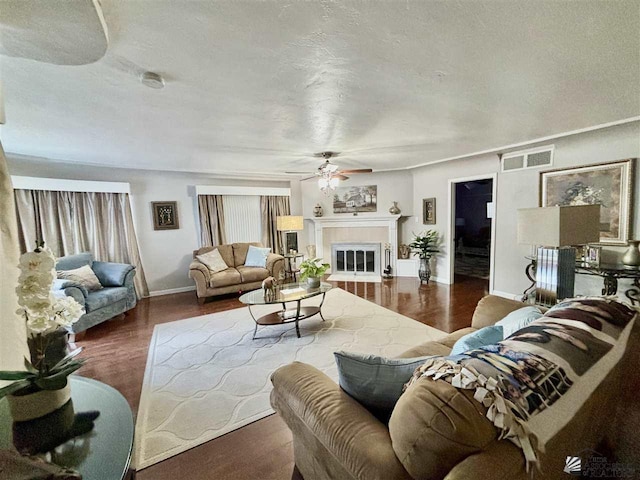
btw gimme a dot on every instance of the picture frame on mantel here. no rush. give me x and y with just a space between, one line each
609 184
429 211
165 215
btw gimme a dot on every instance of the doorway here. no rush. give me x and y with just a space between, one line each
472 231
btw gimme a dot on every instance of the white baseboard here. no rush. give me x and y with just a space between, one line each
510 296
158 293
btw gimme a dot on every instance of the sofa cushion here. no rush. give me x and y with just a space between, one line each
83 276
256 257
71 262
225 278
253 274
519 319
213 260
107 296
374 381
434 426
485 336
240 252
492 308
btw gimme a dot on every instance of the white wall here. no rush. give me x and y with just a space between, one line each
520 190
165 254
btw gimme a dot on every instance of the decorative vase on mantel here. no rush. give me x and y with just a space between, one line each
424 272
394 210
317 210
632 256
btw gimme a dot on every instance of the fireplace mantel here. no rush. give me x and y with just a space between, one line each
354 221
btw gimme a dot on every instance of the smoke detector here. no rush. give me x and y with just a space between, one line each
152 80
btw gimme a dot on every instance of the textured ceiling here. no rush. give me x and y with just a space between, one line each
254 86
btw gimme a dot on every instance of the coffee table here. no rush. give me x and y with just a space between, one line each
287 293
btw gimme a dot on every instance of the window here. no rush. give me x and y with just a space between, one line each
242 218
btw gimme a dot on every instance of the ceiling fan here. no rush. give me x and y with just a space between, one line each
329 174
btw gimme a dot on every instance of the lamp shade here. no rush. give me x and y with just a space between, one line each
559 226
289 223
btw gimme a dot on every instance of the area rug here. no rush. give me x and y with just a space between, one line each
344 277
205 376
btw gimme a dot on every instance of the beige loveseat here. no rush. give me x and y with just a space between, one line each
237 277
436 431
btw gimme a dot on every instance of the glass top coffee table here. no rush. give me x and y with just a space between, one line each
287 293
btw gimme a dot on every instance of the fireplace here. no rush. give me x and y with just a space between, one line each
355 258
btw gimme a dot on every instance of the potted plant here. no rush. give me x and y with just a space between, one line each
312 270
42 387
425 245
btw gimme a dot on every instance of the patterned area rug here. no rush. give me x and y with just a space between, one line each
205 376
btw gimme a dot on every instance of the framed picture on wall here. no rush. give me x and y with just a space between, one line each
607 184
355 199
165 215
429 211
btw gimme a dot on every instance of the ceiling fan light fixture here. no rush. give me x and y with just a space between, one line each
334 182
323 183
152 80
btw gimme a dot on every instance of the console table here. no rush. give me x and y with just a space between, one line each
610 273
105 452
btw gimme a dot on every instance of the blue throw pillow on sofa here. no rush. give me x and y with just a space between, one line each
257 257
374 381
518 319
479 338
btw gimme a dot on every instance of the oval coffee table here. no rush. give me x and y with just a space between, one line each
287 293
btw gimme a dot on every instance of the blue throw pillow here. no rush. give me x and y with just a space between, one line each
518 319
257 257
376 382
477 339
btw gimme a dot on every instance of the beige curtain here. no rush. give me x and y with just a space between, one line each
272 207
13 339
74 222
211 220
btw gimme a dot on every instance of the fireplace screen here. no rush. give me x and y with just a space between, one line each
356 259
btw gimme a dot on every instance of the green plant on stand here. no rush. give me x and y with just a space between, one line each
312 271
424 246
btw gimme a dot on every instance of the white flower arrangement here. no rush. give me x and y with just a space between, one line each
45 314
43 311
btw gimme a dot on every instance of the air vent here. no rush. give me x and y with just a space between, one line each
534 158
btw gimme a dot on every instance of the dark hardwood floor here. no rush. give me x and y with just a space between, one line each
117 352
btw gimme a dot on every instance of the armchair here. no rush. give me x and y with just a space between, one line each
117 296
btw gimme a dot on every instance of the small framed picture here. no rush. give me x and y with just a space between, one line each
429 211
165 215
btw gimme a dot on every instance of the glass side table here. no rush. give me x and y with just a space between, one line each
105 452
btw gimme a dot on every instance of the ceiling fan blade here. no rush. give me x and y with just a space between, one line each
357 170
340 176
297 173
308 178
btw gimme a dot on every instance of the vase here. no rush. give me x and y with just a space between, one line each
37 404
311 251
424 272
394 210
313 282
317 210
632 256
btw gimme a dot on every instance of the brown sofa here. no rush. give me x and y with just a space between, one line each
237 277
435 432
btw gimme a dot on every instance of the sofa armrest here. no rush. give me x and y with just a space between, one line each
111 274
60 285
199 272
501 460
275 265
358 440
491 309
77 292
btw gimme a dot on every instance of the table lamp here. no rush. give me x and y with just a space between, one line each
290 224
555 231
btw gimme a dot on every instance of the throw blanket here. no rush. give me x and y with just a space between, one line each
535 367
